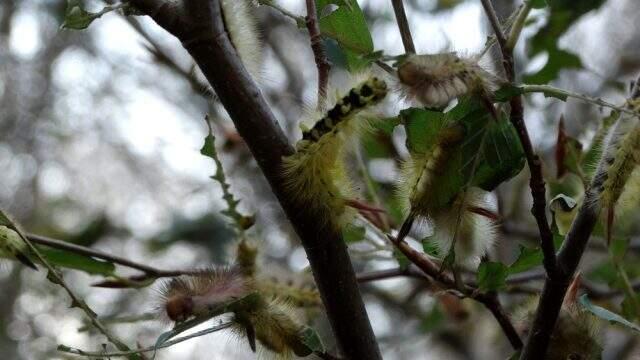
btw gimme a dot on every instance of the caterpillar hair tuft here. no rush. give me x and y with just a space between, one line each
433 80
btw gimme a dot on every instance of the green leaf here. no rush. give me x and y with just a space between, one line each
491 145
77 18
563 13
606 314
492 276
311 340
538 4
352 233
527 259
75 261
430 248
348 26
557 61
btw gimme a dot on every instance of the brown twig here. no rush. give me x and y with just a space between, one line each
319 54
536 182
200 28
403 25
77 249
489 300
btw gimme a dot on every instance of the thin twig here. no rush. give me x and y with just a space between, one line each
82 250
489 300
549 90
319 54
56 277
518 24
102 354
403 25
536 182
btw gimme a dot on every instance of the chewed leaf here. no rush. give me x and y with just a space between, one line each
606 314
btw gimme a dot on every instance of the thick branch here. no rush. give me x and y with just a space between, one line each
403 25
319 53
202 33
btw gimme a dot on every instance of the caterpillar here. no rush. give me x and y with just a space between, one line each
466 219
13 247
433 80
316 174
268 322
242 28
620 157
577 334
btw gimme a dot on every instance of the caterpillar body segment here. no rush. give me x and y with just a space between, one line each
13 247
620 157
317 174
269 322
369 92
468 225
433 80
241 25
577 334
419 173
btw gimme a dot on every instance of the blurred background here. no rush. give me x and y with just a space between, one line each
100 132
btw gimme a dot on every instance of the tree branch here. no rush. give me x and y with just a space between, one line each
568 259
489 300
77 249
318 52
202 33
403 25
536 182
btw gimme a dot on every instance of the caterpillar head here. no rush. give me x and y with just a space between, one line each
190 295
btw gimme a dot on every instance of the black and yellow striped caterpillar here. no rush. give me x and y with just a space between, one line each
316 174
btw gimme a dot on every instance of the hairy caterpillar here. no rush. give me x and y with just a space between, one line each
269 322
434 80
577 334
241 25
316 174
12 246
620 157
469 223
466 219
296 293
